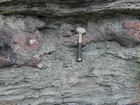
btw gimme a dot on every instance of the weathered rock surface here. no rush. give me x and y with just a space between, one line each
125 32
19 46
107 74
77 8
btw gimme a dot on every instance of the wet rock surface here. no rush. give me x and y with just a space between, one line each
110 52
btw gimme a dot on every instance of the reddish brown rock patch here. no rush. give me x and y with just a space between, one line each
9 102
132 24
133 28
19 46
72 41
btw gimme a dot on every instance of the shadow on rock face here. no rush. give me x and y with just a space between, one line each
19 47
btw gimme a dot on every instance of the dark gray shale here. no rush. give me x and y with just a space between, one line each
67 8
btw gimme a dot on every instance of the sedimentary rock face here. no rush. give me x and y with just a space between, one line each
125 32
19 46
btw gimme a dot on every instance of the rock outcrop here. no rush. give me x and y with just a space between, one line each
111 52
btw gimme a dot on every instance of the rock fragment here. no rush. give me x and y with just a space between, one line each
73 40
19 46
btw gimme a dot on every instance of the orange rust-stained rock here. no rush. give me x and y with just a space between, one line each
132 24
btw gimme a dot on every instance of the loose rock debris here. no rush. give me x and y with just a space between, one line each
19 46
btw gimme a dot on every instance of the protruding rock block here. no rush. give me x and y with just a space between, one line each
133 29
126 33
19 47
